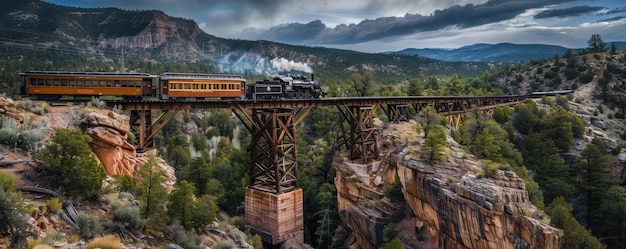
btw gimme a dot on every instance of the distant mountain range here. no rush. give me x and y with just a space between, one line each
501 52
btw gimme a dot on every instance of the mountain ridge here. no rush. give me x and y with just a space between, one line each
496 52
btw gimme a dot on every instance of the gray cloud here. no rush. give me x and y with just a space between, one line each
465 16
567 12
612 19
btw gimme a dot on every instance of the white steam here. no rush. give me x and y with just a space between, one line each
282 64
257 64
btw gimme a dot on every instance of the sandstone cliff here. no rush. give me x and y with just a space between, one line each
447 205
109 134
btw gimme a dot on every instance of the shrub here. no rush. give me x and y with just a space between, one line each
125 183
54 205
9 131
7 181
125 219
186 239
224 244
89 226
106 242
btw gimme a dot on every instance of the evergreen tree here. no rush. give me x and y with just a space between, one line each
434 143
181 204
574 235
595 44
455 86
151 195
415 88
593 173
613 217
68 160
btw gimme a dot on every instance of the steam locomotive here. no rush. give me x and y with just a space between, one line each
51 85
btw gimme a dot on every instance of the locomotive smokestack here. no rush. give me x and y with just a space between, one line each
312 76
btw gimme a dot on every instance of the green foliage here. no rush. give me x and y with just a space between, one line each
415 88
596 44
593 171
12 211
181 205
7 181
562 101
68 161
54 205
151 195
613 215
575 235
359 85
395 243
125 219
502 114
394 191
9 133
389 232
89 226
185 238
434 143
205 211
455 86
125 183
254 240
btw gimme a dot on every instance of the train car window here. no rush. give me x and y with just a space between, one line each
138 83
187 86
56 82
237 87
40 82
48 82
203 86
33 82
173 86
223 86
87 83
63 82
103 83
124 83
215 86
79 83
72 83
194 86
109 83
117 83
208 86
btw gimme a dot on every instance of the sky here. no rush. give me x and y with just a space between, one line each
390 25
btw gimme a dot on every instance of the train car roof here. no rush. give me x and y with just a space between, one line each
67 73
168 76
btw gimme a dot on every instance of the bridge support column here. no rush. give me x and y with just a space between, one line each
140 125
144 127
397 113
273 202
362 133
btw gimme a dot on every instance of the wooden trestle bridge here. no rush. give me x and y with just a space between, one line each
273 201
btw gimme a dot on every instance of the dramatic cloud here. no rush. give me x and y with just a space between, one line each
465 16
568 12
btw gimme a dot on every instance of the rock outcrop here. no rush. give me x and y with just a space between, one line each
449 204
471 212
109 144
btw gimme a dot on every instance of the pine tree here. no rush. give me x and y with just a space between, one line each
181 205
593 171
69 161
435 143
151 195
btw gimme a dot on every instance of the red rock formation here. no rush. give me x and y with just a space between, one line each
109 144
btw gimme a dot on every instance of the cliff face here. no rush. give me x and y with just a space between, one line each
446 205
472 212
109 133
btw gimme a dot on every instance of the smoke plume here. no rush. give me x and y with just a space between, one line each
242 63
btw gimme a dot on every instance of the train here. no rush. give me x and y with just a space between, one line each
52 85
